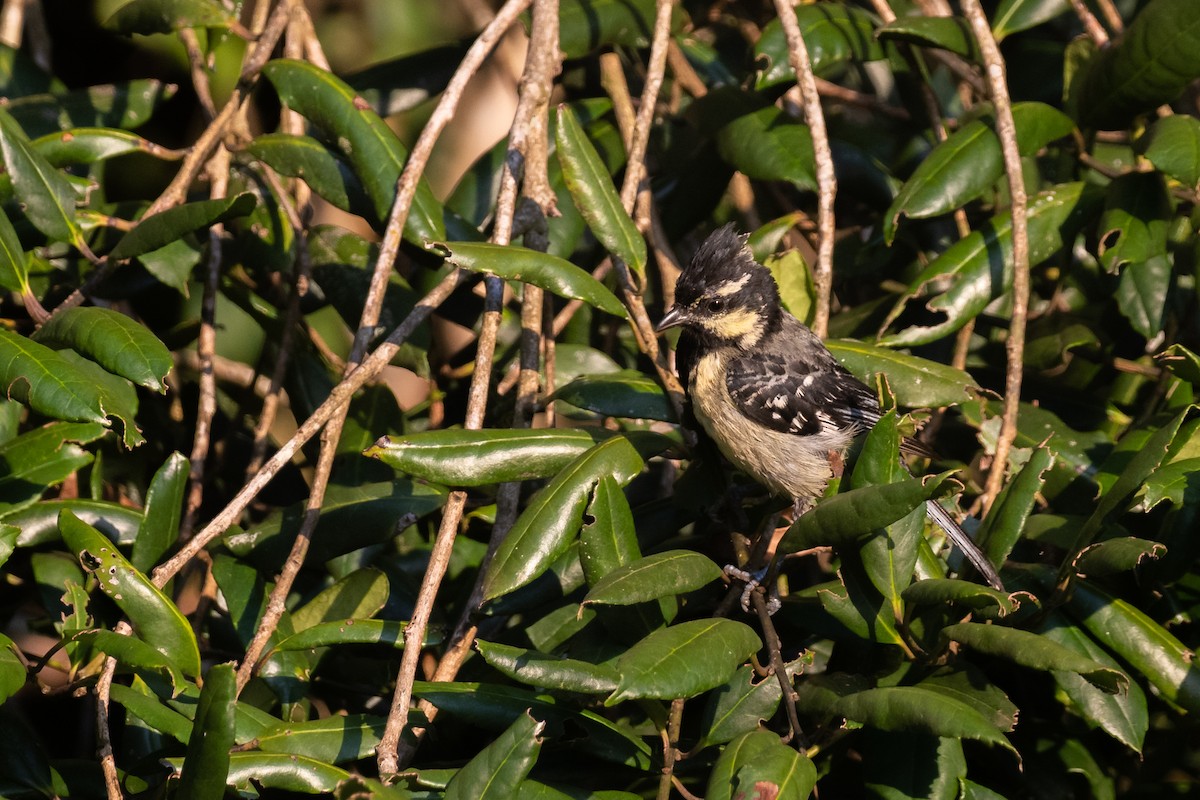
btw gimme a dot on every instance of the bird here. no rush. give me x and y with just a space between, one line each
765 388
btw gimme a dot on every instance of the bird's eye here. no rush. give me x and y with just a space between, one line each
714 305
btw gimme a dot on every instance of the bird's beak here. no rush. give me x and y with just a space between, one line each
675 316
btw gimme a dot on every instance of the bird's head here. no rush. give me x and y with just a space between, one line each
724 297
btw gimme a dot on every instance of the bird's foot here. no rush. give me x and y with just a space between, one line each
753 580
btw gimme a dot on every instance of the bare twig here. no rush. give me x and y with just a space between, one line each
104 749
12 23
1091 25
1015 346
670 736
1111 16
775 651
199 70
826 180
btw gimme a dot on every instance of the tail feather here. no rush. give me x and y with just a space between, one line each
964 543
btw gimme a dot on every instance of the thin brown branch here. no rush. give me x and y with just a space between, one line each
108 764
670 736
775 652
826 180
12 23
1111 16
1015 346
1091 25
199 71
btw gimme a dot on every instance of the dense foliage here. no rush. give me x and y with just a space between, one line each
193 205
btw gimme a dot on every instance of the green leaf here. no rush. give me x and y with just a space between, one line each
547 671
768 144
844 518
627 394
351 517
8 541
113 105
160 230
979 266
916 382
494 773
45 381
553 517
1172 145
373 150
250 772
117 395
14 264
592 189
1121 554
206 765
1140 641
154 617
39 522
1133 226
969 162
757 764
401 84
46 197
164 508
41 458
1019 15
1153 63
1142 294
348 631
499 706
1034 651
898 708
81 146
362 593
1122 716
552 273
12 669
966 684
164 16
834 34
306 158
794 279
966 594
133 653
483 457
332 740
911 765
112 340
1002 527
741 705
683 660
587 25
667 573
947 33
608 540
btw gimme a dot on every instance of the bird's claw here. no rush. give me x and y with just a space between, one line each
753 580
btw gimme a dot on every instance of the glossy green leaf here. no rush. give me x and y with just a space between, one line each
206 765
165 16
627 394
8 541
1172 145
116 395
834 34
497 707
1050 342
1121 554
965 594
844 518
113 105
768 144
250 772
1122 716
608 540
144 705
360 594
332 740
1153 63
1133 226
90 145
1001 528
547 671
306 158
541 269
160 230
683 660
969 162
12 670
112 340
915 382
553 517
947 33
501 766
667 573
132 653
164 508
1034 651
14 264
966 684
400 84
857 606
591 187
757 764
1140 641
911 765
1142 294
795 281
154 617
741 705
587 25
351 517
45 194
347 631
1017 15
373 150
41 458
979 266
899 708
39 522
480 458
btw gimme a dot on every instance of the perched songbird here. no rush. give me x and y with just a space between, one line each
764 387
